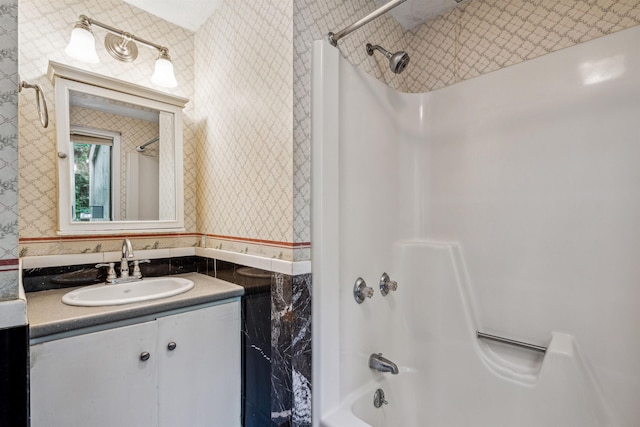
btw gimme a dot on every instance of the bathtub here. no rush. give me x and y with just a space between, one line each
506 204
449 378
416 401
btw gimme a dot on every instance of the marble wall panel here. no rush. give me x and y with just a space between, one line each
256 361
301 350
282 323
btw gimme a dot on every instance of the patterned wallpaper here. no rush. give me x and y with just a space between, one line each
45 26
244 104
313 19
249 122
481 36
252 70
8 150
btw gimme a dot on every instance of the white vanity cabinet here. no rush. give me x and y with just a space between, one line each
199 381
95 379
190 378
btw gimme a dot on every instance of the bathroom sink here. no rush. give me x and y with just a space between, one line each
125 293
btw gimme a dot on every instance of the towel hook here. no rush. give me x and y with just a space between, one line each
43 112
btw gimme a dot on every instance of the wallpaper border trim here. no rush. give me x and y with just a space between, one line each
288 245
105 236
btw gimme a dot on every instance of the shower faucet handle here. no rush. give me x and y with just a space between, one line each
361 290
386 284
378 398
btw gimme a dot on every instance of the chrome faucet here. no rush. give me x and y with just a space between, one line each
127 254
382 364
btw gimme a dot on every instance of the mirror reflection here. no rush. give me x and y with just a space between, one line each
119 155
116 160
94 177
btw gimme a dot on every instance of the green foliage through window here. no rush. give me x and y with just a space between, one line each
81 174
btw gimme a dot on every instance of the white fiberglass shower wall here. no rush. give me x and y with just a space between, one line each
509 203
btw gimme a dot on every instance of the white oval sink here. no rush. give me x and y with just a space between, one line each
125 293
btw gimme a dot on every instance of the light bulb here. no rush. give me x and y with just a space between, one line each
82 45
163 72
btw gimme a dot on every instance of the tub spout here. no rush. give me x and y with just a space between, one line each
382 364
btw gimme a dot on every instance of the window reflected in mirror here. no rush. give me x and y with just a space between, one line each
117 177
93 177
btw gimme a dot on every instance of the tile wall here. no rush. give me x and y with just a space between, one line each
291 350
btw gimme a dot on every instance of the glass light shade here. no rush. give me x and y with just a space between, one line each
163 73
82 46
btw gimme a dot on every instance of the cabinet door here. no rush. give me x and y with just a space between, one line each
96 379
199 380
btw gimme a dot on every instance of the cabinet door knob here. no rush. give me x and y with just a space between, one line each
144 356
171 346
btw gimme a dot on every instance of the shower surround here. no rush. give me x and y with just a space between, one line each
507 204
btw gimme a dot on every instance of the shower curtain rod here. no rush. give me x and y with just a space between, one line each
333 38
143 146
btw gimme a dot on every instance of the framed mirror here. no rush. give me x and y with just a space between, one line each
119 149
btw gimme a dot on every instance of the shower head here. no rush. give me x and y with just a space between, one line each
397 61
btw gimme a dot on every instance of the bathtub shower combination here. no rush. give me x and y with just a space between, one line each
507 205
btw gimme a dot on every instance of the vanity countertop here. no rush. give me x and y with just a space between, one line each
48 315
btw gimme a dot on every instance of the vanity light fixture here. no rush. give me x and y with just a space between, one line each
163 71
120 45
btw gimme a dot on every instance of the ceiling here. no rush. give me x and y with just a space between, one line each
416 12
191 14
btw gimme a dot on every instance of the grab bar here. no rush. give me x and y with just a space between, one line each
503 340
43 112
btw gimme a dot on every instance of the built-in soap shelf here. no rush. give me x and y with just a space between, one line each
559 369
514 363
511 359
